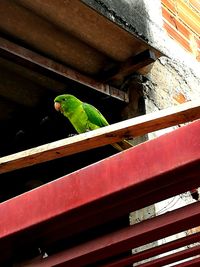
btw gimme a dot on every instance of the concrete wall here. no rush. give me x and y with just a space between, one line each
133 15
169 83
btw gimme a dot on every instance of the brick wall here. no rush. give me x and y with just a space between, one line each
182 22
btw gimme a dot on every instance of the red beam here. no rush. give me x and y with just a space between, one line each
191 239
128 238
174 257
127 181
192 263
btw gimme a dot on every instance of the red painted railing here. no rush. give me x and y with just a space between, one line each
135 178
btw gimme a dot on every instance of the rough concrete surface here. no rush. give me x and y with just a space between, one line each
169 84
133 15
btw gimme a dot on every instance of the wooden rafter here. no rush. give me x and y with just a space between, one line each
46 66
131 65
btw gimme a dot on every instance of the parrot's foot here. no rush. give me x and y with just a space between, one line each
71 135
195 195
43 254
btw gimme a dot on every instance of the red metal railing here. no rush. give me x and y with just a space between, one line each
102 192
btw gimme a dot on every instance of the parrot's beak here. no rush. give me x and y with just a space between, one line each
57 106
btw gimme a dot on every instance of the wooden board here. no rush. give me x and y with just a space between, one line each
45 66
107 135
131 65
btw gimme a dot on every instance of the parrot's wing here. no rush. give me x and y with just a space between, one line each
94 115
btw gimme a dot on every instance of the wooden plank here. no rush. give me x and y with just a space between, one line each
87 24
46 66
128 67
107 135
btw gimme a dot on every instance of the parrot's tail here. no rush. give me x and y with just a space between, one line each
122 145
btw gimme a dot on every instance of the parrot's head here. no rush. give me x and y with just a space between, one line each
66 103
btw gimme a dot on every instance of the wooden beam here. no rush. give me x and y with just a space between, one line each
133 64
46 66
107 135
19 89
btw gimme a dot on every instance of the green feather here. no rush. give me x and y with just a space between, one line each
84 117
94 115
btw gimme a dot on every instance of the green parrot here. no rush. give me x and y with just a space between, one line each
83 116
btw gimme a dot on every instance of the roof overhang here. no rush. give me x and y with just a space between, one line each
90 49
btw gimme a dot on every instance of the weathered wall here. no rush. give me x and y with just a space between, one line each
133 15
144 18
169 83
173 79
